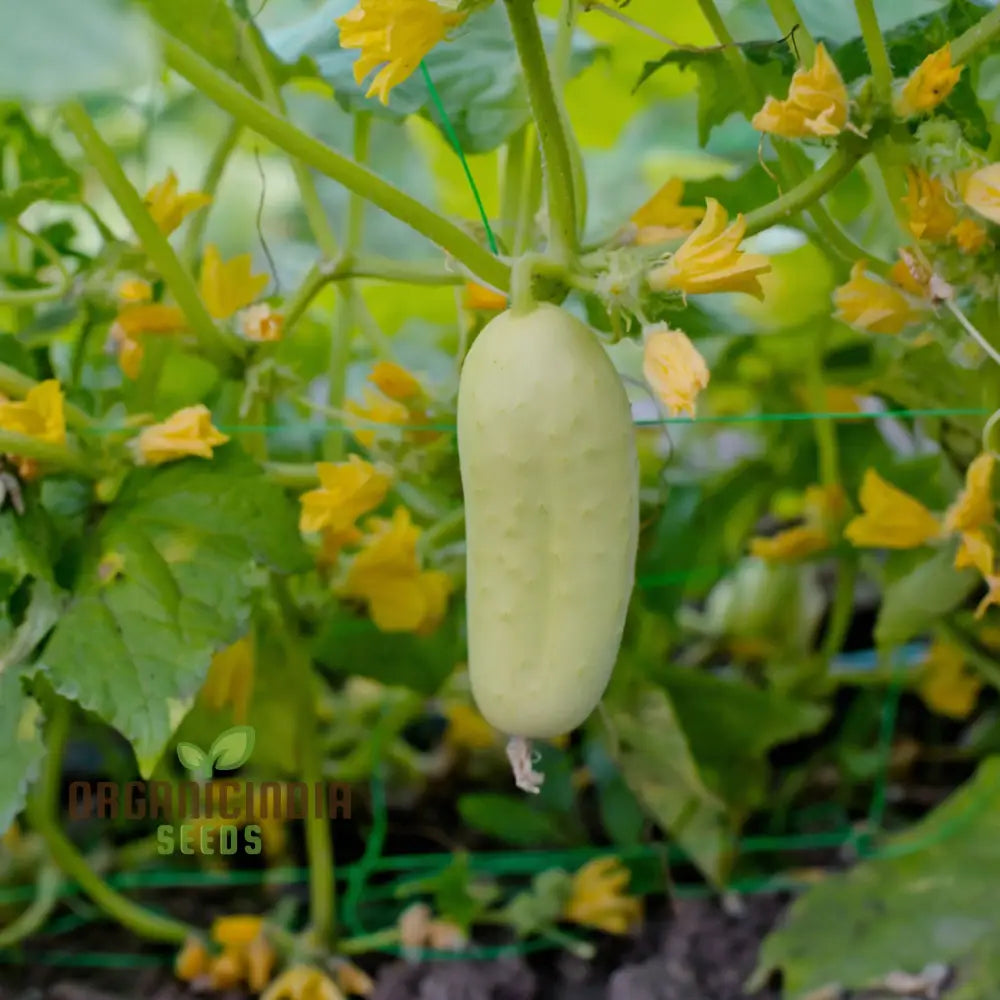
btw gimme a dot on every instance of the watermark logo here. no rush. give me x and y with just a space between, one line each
203 814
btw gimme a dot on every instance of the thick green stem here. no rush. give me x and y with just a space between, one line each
42 813
557 160
59 456
511 184
154 242
531 196
319 844
787 17
316 215
209 185
981 33
842 610
292 140
878 55
346 313
805 193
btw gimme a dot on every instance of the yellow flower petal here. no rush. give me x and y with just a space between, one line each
168 207
969 236
467 729
237 930
347 490
479 298
39 415
873 305
974 506
674 369
892 519
975 552
188 432
353 980
946 685
931 216
928 85
134 290
599 897
395 381
152 317
130 355
393 34
816 104
663 217
192 961
230 679
303 983
791 545
376 409
981 192
227 287
710 260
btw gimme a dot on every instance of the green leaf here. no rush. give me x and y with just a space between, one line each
472 73
929 897
657 763
190 538
911 604
730 727
21 746
457 894
513 819
354 646
232 748
192 757
214 31
54 50
720 92
541 906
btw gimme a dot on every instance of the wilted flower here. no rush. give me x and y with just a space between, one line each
674 369
261 323
816 104
931 216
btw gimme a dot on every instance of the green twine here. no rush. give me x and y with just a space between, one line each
449 131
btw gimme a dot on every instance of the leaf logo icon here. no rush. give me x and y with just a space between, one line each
230 750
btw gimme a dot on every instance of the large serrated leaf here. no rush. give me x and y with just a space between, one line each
189 539
475 73
911 604
21 746
657 763
54 50
930 898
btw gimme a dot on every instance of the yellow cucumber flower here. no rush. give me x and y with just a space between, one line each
968 236
891 519
230 679
975 552
347 490
228 286
132 290
973 508
188 432
169 207
791 545
192 961
394 35
946 685
394 381
931 216
928 85
479 298
663 217
303 982
710 260
39 415
467 729
376 409
816 104
600 899
871 304
981 192
674 369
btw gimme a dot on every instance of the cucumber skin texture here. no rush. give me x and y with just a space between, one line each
550 475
